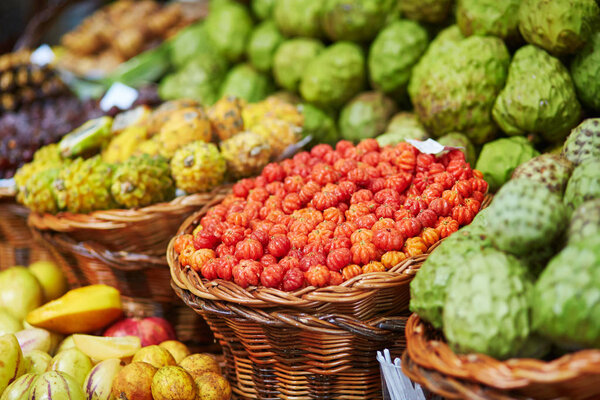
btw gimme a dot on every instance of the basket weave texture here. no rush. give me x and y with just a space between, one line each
432 363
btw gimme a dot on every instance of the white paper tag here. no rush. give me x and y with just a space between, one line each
120 96
430 146
41 56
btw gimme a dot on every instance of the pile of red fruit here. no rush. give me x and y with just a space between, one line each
326 216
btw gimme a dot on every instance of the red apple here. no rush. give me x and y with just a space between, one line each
151 330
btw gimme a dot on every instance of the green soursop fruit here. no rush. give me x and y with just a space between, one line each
198 167
228 27
319 125
264 41
489 17
291 59
39 192
488 305
524 216
141 181
263 9
584 142
458 90
498 159
84 186
584 184
335 76
456 139
428 288
538 98
354 20
558 26
585 221
549 169
402 126
430 11
299 17
585 71
245 82
189 43
566 297
394 53
365 116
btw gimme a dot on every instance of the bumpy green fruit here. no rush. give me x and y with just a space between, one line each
585 71
584 184
566 304
263 9
245 82
319 124
538 98
355 20
524 216
264 41
402 126
584 142
489 17
228 28
189 43
365 116
549 169
559 26
431 11
394 53
444 94
497 322
291 58
585 221
334 76
428 288
498 159
299 17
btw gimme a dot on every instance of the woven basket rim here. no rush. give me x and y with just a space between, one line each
7 193
120 218
516 373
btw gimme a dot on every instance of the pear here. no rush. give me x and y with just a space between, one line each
20 291
51 278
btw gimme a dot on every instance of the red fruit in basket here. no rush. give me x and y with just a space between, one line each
278 229
318 275
297 240
479 185
293 184
209 269
366 221
414 246
185 257
340 242
463 187
200 257
218 211
373 266
398 182
473 204
232 235
386 169
323 173
235 207
386 210
367 145
409 227
359 176
383 223
441 207
433 191
291 203
249 249
335 278
406 161
371 158
334 215
345 190
415 205
311 259
268 259
308 191
463 214
412 191
363 252
361 196
446 179
344 165
272 276
320 150
238 218
422 180
392 258
343 145
279 245
326 226
324 199
225 266
345 229
459 169
477 195
183 241
338 259
240 190
223 250
276 189
452 197
260 182
428 218
424 162
316 246
355 211
331 157
388 239
259 194
260 236
319 235
293 280
430 236
302 157
276 216
436 168
247 273
273 203
402 213
385 196
446 226
288 262
273 172
151 330
351 271
361 235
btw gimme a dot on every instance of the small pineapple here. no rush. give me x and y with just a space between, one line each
45 158
124 144
141 181
280 134
198 167
226 117
182 127
39 192
246 154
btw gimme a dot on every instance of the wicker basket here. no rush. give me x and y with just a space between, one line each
432 363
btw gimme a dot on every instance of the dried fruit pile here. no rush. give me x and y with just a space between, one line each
326 216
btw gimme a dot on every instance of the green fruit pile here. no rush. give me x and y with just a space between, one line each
143 156
524 276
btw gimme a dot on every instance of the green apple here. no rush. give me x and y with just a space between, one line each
20 291
51 277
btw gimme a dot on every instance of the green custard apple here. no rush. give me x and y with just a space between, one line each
456 139
402 126
551 170
429 11
394 53
365 116
566 298
584 184
489 17
335 76
524 216
190 42
299 17
457 90
229 27
354 20
585 221
198 167
558 26
499 158
539 97
263 9
291 59
263 44
320 125
585 71
584 142
487 307
247 83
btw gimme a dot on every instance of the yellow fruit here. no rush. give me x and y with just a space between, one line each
226 117
212 386
173 383
124 145
198 364
11 360
279 133
73 362
84 309
134 382
182 127
161 113
154 355
51 278
20 291
178 350
102 348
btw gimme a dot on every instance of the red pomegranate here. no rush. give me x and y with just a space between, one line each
151 330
